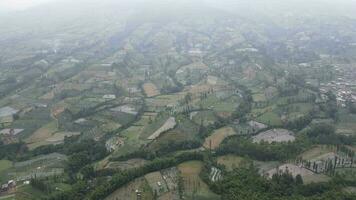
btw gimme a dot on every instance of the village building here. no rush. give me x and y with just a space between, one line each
109 96
8 187
11 131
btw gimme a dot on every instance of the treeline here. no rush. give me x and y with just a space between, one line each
119 178
164 149
247 184
324 133
262 151
12 151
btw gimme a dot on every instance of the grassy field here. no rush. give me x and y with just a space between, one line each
4 166
316 152
153 125
270 118
184 131
230 161
217 137
194 187
346 123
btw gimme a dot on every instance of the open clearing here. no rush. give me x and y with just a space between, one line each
274 135
193 183
307 175
214 141
150 90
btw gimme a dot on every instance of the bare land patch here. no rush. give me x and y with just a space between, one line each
274 135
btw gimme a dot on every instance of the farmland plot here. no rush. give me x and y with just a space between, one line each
169 124
194 187
214 141
129 191
150 89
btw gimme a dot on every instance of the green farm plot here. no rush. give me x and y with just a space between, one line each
40 166
347 173
317 151
346 123
220 105
154 125
194 187
132 141
185 131
204 117
259 111
133 138
270 118
231 161
27 192
259 97
209 102
225 107
41 135
4 166
32 121
296 109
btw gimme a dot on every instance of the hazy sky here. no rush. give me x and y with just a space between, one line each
14 5
18 5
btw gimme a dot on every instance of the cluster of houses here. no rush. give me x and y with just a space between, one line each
342 91
8 187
